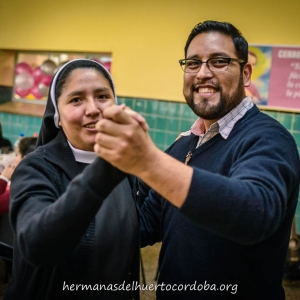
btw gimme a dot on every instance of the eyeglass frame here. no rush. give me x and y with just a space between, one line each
229 60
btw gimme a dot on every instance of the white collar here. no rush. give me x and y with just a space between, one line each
82 156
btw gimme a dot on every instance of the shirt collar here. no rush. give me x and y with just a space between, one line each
83 156
226 123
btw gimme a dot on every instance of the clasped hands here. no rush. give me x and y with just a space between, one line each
123 139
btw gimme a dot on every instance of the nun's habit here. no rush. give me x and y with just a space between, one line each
69 227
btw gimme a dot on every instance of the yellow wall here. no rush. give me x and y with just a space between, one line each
146 38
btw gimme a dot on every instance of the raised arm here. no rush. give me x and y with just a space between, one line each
48 221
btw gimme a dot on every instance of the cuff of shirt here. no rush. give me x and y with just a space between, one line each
4 178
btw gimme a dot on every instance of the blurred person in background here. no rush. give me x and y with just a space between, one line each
26 146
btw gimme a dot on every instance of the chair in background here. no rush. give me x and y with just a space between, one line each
6 245
6 232
291 274
6 254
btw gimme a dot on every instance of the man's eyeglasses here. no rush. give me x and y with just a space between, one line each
218 64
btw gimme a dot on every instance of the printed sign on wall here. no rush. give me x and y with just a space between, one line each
275 79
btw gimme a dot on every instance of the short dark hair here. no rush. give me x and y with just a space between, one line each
27 145
240 43
78 64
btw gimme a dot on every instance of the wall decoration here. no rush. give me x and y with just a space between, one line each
34 72
275 79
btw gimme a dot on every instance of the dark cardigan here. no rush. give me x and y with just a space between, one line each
72 227
234 226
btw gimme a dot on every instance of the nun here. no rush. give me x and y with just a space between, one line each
74 216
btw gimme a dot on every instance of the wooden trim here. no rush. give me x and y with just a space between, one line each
21 108
278 109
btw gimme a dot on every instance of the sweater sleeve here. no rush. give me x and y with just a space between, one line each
4 202
3 185
49 225
249 204
150 219
4 197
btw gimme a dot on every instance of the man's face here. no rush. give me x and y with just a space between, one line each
212 95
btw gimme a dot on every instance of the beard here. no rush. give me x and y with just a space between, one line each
227 102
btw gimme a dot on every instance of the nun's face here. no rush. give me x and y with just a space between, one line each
84 96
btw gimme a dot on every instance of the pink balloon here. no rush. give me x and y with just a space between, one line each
37 74
23 67
36 92
107 65
46 79
21 93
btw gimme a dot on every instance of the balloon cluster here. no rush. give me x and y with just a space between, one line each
35 82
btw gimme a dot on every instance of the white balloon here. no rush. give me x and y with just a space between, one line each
43 89
59 66
48 67
24 81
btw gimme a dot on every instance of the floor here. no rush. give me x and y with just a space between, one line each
150 259
2 285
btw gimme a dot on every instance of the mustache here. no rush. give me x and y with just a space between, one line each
209 82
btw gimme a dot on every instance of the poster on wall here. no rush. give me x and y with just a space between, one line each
275 77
